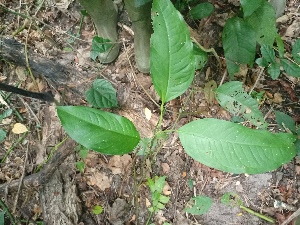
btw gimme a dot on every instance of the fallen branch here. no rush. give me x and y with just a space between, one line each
39 179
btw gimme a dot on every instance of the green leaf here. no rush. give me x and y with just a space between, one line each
2 135
280 45
274 70
100 131
202 10
231 199
233 148
84 12
285 121
6 113
268 53
139 3
200 57
291 69
2 215
262 62
83 152
297 146
264 23
157 184
80 166
249 6
201 206
102 94
99 45
296 51
171 54
164 199
239 44
97 209
190 184
232 97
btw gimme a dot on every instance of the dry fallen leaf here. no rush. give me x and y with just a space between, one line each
19 128
148 204
165 167
100 180
277 98
118 164
167 189
148 114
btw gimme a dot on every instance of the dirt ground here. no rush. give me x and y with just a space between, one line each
39 180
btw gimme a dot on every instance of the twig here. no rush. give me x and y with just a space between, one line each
40 178
137 80
257 79
30 110
293 216
21 181
12 147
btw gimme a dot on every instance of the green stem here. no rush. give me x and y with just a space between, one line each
51 154
257 214
6 210
161 115
149 218
12 147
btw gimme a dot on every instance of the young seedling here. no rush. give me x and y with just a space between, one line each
233 200
159 201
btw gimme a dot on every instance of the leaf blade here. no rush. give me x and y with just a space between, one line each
263 21
236 149
99 130
239 44
102 94
232 97
171 59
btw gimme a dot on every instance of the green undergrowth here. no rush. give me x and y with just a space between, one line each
224 145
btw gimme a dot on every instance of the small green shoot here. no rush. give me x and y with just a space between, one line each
83 152
201 205
97 209
233 200
159 201
99 45
80 166
190 184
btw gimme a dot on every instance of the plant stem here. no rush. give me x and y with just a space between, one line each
5 209
149 218
161 115
257 214
12 147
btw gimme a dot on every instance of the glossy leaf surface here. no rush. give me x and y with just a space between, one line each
98 130
234 148
171 54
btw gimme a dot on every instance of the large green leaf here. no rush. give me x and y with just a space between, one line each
232 97
98 130
239 44
234 148
264 23
249 6
171 53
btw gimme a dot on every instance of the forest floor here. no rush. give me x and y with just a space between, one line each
112 182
